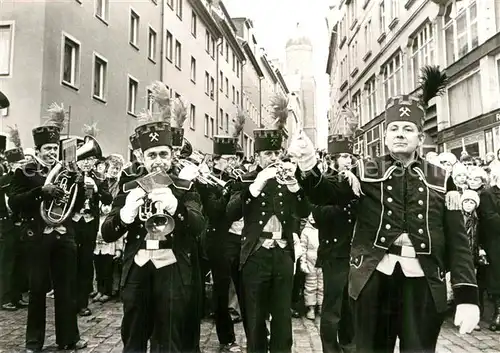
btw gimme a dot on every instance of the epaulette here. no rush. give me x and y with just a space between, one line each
248 177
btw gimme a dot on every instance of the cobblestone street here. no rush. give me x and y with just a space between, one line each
102 330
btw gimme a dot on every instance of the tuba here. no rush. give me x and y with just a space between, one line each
58 210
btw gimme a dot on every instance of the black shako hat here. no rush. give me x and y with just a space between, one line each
46 134
268 139
14 155
339 144
177 136
154 134
134 142
224 145
404 108
3 142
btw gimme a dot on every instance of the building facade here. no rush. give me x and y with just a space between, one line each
381 48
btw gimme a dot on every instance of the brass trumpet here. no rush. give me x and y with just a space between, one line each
284 175
205 177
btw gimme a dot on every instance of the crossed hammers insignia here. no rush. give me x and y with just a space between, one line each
404 111
154 136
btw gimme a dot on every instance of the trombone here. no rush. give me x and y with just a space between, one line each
204 177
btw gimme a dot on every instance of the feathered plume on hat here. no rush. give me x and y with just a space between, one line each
432 82
57 116
14 136
179 113
279 104
144 117
239 122
90 130
161 96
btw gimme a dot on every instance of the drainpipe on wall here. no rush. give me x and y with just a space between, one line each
162 50
216 93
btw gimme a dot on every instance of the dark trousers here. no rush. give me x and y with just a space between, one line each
86 234
224 257
396 306
337 324
53 254
104 273
155 306
12 269
267 281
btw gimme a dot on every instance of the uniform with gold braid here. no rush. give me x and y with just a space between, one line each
36 199
270 204
420 236
162 219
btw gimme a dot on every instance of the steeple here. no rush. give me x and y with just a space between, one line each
298 37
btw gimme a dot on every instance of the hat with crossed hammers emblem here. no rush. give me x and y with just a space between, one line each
340 144
154 134
404 108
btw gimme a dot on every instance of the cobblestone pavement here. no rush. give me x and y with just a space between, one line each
102 330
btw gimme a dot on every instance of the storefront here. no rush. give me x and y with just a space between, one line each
477 136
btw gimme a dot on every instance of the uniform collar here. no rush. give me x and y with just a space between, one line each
417 162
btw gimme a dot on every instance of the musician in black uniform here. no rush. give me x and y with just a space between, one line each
157 278
335 225
53 249
267 255
409 232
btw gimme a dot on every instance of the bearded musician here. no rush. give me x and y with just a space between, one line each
335 225
157 279
53 248
269 210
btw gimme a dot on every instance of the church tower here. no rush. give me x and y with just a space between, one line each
300 68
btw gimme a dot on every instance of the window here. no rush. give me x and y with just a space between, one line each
393 77
237 97
227 52
227 87
234 63
368 36
488 136
221 119
193 69
221 81
381 12
149 100
133 85
460 29
194 23
134 28
101 9
343 69
207 83
422 52
212 53
6 49
170 3
393 9
212 127
170 46
71 62
192 117
356 104
212 88
221 50
463 109
371 100
234 94
207 41
152 44
178 8
227 122
100 71
238 66
178 50
373 141
354 55
207 125
352 7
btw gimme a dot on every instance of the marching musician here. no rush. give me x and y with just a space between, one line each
335 225
157 283
269 210
411 231
12 260
86 224
53 248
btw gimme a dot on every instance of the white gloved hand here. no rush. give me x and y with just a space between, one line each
88 181
166 199
466 317
304 268
303 150
134 200
261 180
482 252
190 172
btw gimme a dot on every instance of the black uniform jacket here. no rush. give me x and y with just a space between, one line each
189 223
275 199
26 197
103 195
397 200
4 190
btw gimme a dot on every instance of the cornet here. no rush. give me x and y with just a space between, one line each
284 175
204 177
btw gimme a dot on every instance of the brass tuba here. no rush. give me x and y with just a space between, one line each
58 210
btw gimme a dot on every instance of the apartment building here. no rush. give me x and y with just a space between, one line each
96 57
381 47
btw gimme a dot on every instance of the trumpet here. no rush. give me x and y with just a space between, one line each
205 176
235 172
284 175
